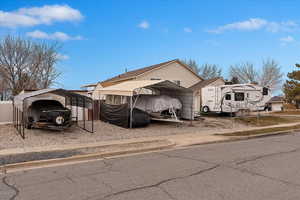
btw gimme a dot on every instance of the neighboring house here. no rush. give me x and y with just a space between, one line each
276 103
197 88
172 70
90 89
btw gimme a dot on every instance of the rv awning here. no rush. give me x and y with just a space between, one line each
129 88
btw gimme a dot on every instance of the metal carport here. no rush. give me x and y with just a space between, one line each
132 89
22 101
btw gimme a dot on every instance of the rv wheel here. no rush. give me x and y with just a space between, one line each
205 109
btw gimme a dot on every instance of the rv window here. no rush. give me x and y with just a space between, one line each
265 91
227 97
239 96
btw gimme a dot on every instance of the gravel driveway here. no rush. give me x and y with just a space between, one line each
105 131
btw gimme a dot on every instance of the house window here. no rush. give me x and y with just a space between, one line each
239 96
228 97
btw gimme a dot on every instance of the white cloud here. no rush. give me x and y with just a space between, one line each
281 26
62 56
287 39
52 36
33 16
144 25
253 24
187 30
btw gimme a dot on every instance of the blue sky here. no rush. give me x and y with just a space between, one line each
102 38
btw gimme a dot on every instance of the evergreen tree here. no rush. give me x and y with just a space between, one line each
291 87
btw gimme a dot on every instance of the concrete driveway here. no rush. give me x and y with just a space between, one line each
265 168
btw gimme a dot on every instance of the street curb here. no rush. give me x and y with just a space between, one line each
259 135
38 163
240 138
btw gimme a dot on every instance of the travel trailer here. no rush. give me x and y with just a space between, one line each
234 98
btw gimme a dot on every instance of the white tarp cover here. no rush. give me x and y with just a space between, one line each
158 103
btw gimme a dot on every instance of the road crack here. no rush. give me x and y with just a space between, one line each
157 185
255 158
14 188
167 193
264 176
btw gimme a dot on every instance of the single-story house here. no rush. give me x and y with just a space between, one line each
276 103
197 89
173 70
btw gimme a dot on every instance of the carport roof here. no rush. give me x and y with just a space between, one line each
57 91
128 88
18 100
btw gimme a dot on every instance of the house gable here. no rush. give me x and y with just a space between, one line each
149 71
174 71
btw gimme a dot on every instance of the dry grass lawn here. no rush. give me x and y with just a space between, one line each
266 120
261 131
296 112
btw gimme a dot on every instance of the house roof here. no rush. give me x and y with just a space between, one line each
276 99
137 72
204 83
89 85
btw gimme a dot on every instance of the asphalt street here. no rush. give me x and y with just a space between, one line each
265 168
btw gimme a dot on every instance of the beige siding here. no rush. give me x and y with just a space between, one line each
96 93
277 106
172 72
217 83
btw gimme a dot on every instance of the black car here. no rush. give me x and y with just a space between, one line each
48 114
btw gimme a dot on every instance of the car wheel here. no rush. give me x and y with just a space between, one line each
205 109
59 120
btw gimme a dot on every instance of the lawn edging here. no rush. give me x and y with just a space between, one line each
264 131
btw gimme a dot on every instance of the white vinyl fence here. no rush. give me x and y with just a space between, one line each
6 112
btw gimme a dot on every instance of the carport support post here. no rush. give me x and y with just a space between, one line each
83 108
130 112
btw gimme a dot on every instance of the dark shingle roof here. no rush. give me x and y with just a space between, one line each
134 73
276 99
204 83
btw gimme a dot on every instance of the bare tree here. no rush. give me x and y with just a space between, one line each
244 72
3 89
25 64
192 64
208 71
271 75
